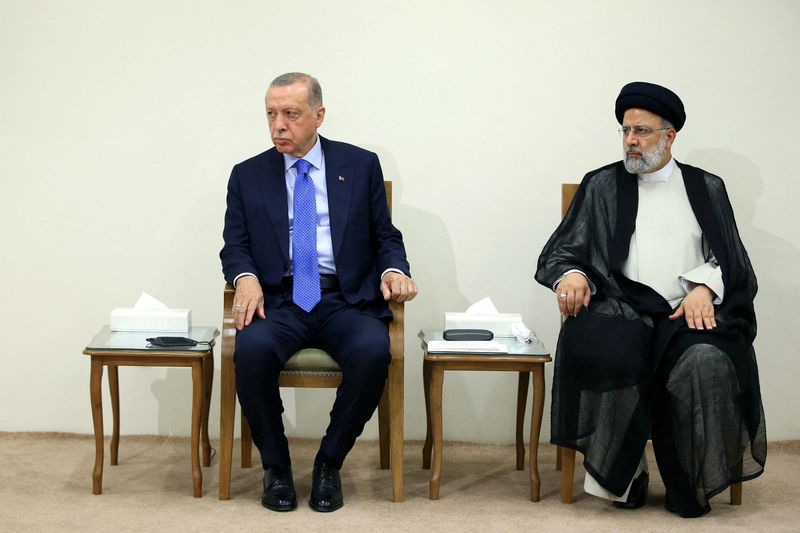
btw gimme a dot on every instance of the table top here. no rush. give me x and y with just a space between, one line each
513 346
108 340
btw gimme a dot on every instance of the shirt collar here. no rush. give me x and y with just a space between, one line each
660 175
314 156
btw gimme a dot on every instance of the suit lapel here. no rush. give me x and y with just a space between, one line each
273 193
340 191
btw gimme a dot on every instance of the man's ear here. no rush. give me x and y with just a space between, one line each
320 115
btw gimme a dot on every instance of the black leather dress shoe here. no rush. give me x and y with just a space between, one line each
637 494
694 511
279 494
326 489
669 505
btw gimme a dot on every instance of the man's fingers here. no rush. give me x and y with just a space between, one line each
249 314
398 288
561 298
245 308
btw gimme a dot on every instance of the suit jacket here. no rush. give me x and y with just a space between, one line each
365 243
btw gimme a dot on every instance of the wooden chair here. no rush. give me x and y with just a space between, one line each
565 457
312 367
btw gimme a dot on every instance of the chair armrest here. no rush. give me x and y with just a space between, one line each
397 331
228 323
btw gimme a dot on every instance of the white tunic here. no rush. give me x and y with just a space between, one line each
666 250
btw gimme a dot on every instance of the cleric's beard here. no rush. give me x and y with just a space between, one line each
647 161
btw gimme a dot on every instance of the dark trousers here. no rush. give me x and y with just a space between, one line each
693 424
358 342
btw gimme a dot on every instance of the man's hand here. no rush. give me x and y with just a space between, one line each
573 294
249 299
398 287
698 308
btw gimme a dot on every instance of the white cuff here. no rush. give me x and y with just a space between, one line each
592 287
242 275
708 274
392 270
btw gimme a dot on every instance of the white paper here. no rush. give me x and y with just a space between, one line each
466 347
149 303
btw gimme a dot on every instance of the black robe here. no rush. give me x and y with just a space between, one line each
621 366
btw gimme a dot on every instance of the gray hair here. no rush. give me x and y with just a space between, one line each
667 124
314 89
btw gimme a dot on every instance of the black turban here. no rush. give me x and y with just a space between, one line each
653 98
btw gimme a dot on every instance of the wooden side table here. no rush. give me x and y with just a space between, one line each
115 349
523 358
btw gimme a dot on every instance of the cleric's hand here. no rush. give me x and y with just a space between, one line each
573 294
698 308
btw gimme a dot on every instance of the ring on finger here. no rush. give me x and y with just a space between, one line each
562 295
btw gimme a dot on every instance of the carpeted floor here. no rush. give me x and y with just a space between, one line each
46 486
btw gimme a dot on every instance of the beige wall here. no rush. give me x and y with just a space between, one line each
120 121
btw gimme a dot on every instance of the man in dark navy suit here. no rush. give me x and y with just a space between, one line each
314 257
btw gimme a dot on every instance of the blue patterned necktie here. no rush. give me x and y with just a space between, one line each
305 265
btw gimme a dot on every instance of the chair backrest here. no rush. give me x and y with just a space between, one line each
568 191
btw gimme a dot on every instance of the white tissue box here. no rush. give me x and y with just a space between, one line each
167 321
499 324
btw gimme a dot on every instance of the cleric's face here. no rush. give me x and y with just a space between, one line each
647 144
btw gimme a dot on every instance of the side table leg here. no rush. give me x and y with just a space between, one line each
95 390
437 379
208 383
197 407
522 401
536 426
426 385
113 388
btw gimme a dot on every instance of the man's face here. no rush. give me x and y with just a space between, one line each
648 152
293 122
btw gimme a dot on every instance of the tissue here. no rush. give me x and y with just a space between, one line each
484 315
150 314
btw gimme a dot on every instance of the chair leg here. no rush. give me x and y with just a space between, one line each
384 431
522 400
736 494
558 458
567 474
736 488
396 410
247 444
226 420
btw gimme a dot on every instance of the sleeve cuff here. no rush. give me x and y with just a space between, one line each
241 275
708 274
592 287
392 270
